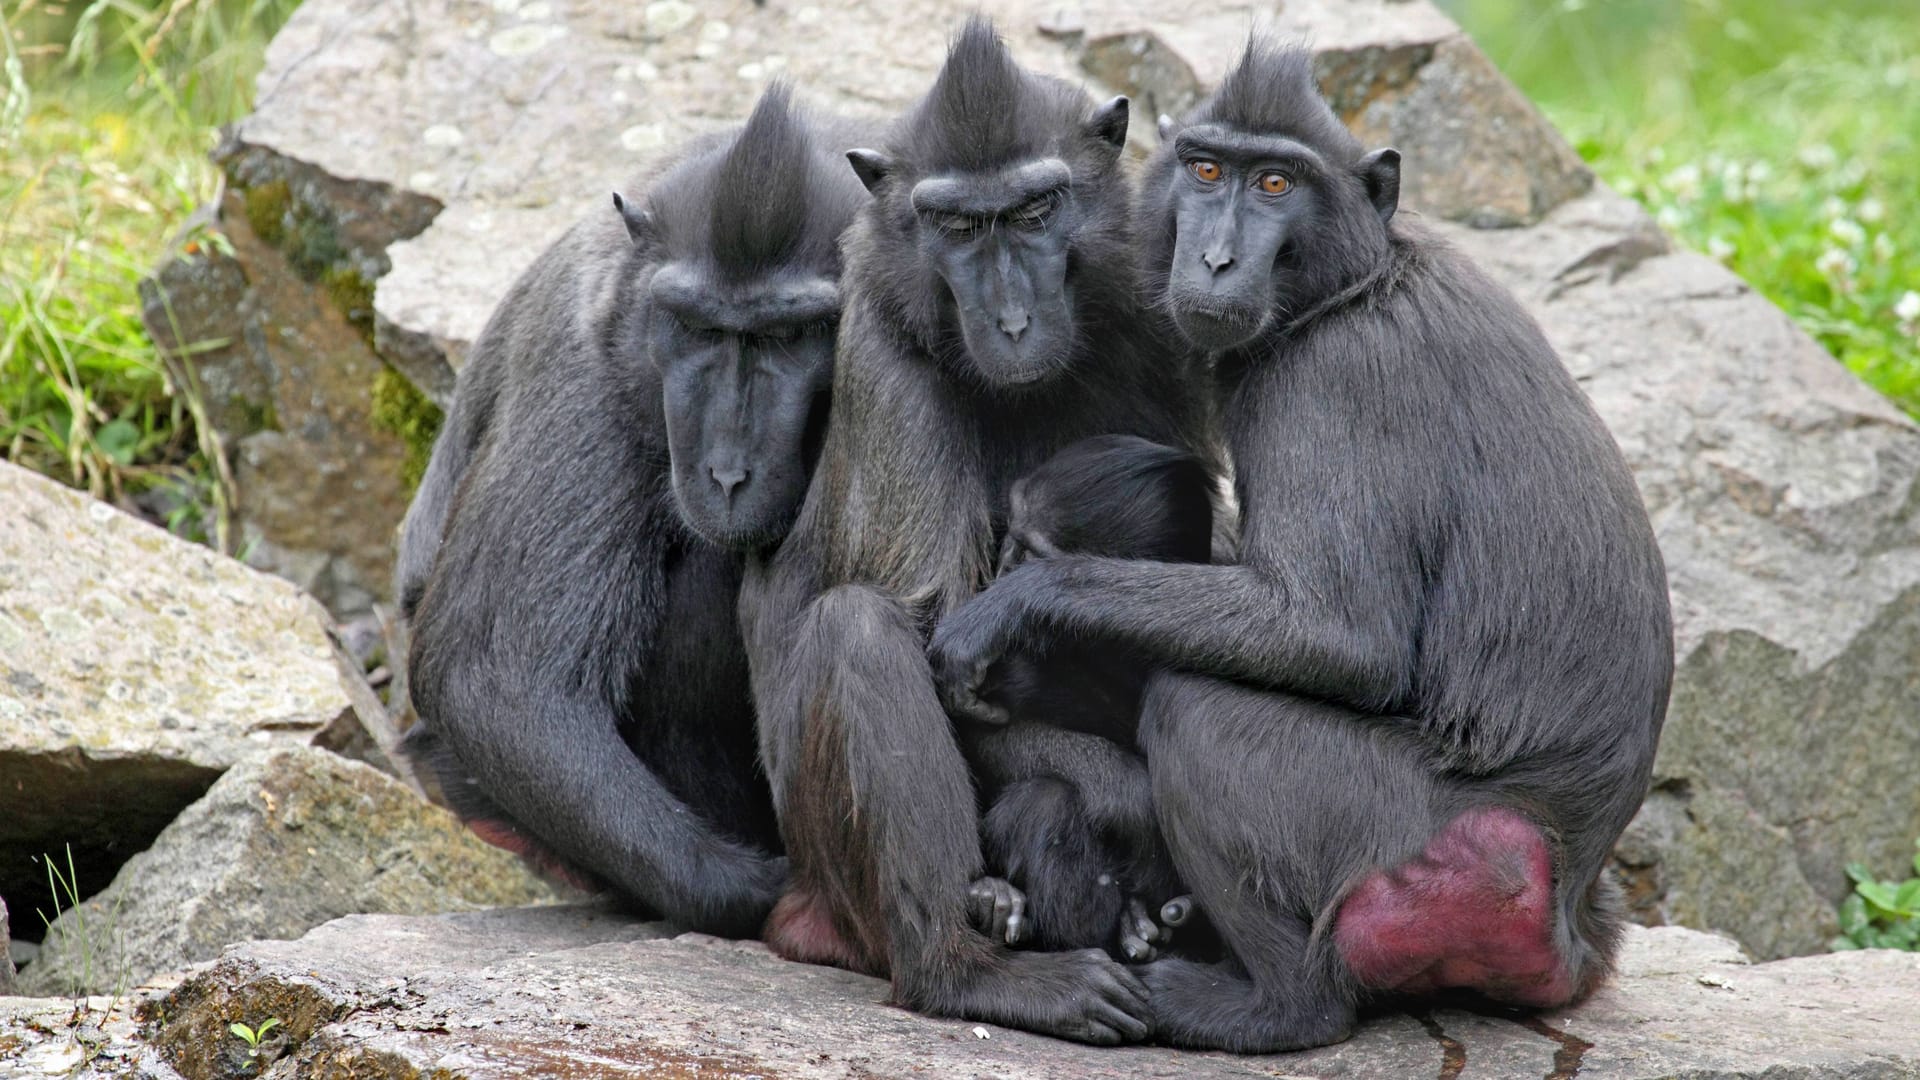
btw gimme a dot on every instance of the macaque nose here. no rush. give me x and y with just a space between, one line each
1014 322
727 477
1218 260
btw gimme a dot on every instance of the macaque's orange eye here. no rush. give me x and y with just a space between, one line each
1274 183
1204 170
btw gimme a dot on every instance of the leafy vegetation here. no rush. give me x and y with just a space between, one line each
1777 137
252 1036
110 109
1881 914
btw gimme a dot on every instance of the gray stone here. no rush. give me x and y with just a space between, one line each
6 953
283 842
482 129
1784 492
95 1038
288 377
1786 496
134 668
572 991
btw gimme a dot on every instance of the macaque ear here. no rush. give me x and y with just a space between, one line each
639 222
1109 122
871 166
1380 171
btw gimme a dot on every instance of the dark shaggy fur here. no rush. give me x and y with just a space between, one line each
1407 727
576 662
901 524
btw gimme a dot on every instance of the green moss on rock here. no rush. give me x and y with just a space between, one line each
400 408
352 295
267 206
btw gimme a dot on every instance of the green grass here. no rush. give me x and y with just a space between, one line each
109 112
1780 137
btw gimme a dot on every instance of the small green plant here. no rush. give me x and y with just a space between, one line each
252 1036
99 945
1881 914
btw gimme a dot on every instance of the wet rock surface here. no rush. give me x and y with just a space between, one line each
89 1038
579 992
134 669
285 841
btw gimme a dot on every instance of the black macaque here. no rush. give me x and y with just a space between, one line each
1069 811
1396 741
641 409
991 318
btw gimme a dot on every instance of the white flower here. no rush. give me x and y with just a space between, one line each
1759 172
1872 210
1819 157
1733 183
1670 218
1834 263
1847 231
1683 181
1907 309
1719 248
1834 207
1883 247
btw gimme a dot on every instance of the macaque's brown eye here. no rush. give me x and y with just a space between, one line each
1274 183
1204 170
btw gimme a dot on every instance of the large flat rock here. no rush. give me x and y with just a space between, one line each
577 992
134 669
518 117
490 125
1786 495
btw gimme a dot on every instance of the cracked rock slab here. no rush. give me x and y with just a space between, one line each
134 668
284 841
578 992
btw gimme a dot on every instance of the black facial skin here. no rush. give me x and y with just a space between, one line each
1244 208
1002 255
994 240
569 570
937 410
1444 641
744 372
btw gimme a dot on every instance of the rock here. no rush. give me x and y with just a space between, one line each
6 953
86 1039
1784 492
279 337
491 126
556 990
1786 497
134 668
283 842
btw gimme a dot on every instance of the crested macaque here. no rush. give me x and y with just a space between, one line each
1392 745
1068 824
641 410
990 319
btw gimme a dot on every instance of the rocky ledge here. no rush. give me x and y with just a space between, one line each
580 993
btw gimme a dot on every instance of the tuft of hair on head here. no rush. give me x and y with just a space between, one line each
971 119
760 188
1272 91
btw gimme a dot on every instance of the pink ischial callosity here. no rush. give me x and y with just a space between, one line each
1474 910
